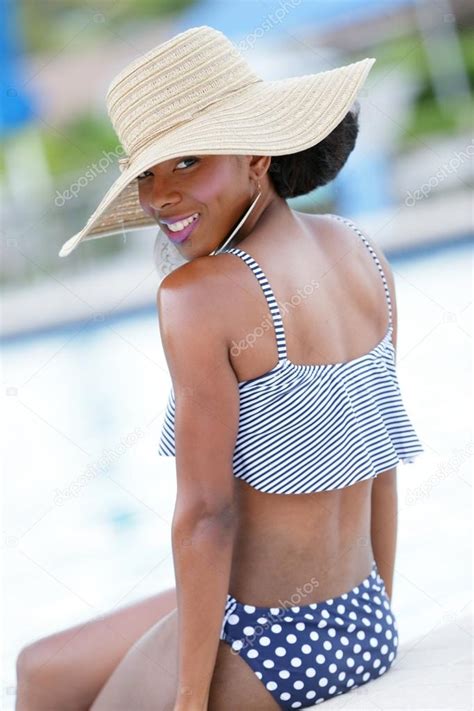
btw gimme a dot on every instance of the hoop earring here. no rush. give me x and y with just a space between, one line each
222 246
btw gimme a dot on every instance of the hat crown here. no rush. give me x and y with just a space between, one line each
172 83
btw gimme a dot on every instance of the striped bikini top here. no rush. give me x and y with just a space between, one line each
310 428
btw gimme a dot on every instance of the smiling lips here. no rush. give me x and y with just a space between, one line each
180 230
180 224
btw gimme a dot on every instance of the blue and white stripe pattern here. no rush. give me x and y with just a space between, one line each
310 428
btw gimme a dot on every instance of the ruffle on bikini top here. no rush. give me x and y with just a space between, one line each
304 429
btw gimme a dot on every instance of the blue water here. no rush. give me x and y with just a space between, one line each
88 503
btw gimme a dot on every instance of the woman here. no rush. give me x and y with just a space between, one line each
285 415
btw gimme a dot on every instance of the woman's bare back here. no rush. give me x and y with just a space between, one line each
321 540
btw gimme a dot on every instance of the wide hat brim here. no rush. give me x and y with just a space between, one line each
272 118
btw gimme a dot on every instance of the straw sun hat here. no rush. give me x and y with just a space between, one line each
196 94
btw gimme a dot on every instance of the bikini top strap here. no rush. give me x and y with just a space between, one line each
377 261
269 296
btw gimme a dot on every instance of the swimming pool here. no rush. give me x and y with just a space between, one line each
88 503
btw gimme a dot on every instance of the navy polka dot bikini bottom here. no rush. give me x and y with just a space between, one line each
305 655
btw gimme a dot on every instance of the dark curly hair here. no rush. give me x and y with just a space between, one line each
300 173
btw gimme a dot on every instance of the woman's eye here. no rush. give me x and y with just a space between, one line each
146 173
186 160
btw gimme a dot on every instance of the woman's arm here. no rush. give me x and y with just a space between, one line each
383 525
384 516
193 327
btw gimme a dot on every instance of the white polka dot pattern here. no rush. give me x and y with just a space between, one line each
305 655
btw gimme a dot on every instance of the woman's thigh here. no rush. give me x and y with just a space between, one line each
146 678
68 668
235 686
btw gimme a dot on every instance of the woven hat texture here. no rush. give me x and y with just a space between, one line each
196 94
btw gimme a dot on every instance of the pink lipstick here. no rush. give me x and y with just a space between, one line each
183 234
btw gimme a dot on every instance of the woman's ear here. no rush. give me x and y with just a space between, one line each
259 165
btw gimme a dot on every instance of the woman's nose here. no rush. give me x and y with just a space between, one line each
161 195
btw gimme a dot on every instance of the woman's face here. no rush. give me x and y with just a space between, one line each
213 190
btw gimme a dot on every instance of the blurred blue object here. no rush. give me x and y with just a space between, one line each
363 185
242 17
16 107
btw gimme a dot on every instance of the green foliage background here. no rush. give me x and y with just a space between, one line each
47 25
